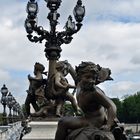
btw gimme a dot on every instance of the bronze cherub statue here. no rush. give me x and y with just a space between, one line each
99 111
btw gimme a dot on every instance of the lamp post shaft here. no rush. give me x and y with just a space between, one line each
4 109
10 115
4 91
4 118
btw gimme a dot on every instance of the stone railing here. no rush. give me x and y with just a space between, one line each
135 128
11 131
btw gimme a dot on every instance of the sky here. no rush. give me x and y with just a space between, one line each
110 36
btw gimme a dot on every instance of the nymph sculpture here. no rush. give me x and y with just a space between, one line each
36 88
52 103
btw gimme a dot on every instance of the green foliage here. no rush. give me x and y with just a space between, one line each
0 118
131 108
118 104
68 110
23 109
128 110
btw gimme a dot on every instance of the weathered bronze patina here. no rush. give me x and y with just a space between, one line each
99 111
50 103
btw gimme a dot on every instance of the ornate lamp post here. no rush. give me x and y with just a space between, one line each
4 91
10 104
17 111
53 39
13 108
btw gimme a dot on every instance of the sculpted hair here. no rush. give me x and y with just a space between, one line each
39 67
86 67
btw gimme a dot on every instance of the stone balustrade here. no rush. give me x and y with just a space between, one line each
11 131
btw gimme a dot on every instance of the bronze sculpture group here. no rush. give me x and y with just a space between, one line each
99 112
38 93
48 95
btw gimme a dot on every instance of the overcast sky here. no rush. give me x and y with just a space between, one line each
110 36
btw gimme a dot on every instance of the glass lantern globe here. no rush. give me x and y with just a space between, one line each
32 7
4 90
80 11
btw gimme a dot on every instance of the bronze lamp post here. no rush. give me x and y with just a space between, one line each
53 38
10 105
4 91
13 109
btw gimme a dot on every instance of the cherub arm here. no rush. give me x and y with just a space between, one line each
57 81
108 104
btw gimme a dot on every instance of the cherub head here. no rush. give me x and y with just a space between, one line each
90 74
63 66
87 73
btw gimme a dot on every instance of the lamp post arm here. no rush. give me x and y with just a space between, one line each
31 26
42 33
66 36
36 38
79 25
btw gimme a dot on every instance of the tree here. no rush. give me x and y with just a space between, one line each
118 104
23 109
131 108
0 118
128 110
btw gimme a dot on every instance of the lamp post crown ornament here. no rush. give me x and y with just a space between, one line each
53 38
53 4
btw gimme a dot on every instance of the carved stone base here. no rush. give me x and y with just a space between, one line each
42 130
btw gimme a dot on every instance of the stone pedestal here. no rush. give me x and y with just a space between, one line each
42 130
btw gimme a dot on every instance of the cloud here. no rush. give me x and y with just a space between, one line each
136 59
4 75
109 36
113 10
113 45
122 88
109 44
